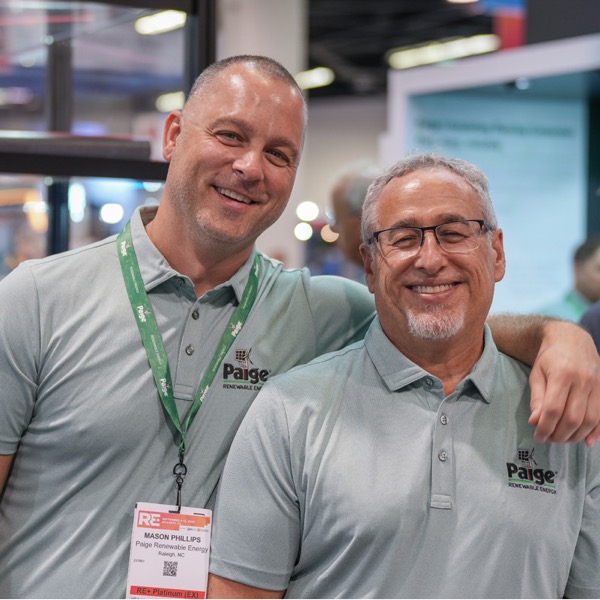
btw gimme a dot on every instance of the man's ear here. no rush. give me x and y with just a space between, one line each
500 262
171 132
368 262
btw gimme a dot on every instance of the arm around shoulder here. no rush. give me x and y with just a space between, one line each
565 375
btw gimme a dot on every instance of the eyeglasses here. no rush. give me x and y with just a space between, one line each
453 237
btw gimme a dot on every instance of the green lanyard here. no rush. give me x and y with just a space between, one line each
153 344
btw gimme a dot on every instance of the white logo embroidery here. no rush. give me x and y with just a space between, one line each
235 329
141 314
203 394
164 387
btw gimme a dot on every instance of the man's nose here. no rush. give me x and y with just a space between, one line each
249 165
430 255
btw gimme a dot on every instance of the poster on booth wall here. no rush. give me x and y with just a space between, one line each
169 552
533 151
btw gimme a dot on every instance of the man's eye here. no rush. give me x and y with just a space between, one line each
278 158
227 136
405 238
452 235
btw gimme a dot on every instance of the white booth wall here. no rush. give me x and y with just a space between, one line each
532 145
534 154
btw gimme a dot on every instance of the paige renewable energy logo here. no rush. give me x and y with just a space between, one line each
243 376
527 474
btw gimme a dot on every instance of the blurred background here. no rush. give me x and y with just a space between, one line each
512 85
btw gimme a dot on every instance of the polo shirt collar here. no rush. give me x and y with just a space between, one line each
398 372
156 270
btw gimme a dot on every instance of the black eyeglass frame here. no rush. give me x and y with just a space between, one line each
482 224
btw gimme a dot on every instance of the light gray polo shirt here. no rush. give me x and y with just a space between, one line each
79 407
354 476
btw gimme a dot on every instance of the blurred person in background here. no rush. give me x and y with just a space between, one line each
586 289
347 197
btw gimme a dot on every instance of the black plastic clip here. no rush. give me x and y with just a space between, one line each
180 471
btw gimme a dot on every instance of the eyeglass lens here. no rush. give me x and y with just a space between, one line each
457 236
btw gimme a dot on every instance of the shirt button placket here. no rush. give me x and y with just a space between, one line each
442 468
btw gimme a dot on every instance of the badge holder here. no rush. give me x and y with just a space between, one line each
170 547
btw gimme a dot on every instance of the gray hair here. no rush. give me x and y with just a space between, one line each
352 185
473 175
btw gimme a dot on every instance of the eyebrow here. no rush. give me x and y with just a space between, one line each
445 218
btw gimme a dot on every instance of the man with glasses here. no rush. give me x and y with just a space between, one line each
404 465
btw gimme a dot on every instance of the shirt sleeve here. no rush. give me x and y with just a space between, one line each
342 311
256 530
19 355
584 576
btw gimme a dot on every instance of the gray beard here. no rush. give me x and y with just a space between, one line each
436 324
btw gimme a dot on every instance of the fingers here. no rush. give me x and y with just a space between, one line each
537 382
549 406
565 386
565 407
593 437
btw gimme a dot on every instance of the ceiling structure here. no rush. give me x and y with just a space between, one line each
353 37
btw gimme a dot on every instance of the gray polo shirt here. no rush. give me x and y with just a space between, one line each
354 476
79 407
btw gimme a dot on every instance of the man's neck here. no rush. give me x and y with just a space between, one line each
206 266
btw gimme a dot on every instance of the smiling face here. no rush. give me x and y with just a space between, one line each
433 295
233 153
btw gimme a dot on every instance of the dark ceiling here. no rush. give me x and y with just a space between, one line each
352 37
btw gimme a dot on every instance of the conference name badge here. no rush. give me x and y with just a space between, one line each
169 552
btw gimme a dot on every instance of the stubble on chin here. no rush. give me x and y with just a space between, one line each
436 323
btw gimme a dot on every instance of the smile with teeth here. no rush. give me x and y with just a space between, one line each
432 289
234 196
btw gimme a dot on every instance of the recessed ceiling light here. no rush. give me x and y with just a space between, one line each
315 78
442 51
161 22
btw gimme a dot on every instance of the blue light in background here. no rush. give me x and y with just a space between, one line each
494 5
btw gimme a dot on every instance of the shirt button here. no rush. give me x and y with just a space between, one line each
189 350
443 455
195 315
180 281
429 382
444 419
